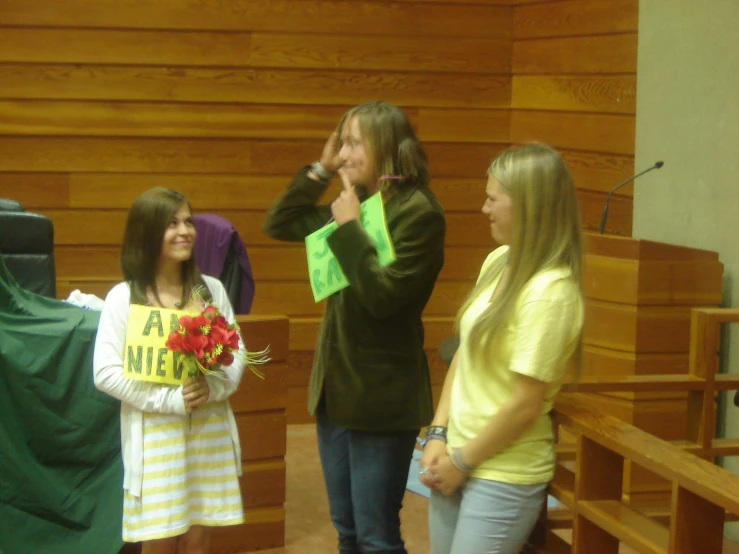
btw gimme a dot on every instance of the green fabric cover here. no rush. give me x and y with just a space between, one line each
61 471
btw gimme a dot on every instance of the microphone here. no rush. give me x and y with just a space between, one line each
657 165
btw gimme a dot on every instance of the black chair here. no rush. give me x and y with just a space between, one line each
8 205
27 248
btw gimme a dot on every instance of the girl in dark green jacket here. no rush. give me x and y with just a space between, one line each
369 389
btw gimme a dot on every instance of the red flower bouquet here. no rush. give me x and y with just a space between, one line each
206 342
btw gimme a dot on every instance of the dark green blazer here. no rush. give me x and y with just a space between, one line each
370 364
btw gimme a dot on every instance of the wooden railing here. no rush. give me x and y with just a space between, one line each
591 486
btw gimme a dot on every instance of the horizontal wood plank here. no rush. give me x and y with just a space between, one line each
36 190
605 361
262 435
296 50
145 119
577 93
450 125
128 46
372 17
274 86
263 483
256 395
118 119
208 156
609 133
649 329
575 17
458 55
600 54
653 282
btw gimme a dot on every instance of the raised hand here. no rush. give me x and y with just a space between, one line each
346 207
330 159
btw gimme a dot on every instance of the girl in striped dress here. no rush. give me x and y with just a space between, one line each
181 452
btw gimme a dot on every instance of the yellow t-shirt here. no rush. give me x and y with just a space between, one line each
537 340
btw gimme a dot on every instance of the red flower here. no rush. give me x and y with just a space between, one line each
207 338
226 358
175 341
211 312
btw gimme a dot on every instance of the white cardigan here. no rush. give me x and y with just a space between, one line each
138 397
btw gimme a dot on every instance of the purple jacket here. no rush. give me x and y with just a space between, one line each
216 240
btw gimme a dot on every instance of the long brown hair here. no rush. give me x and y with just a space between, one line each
142 244
391 143
546 230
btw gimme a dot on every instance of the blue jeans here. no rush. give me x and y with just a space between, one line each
366 474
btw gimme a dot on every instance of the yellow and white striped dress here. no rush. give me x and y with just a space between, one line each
189 476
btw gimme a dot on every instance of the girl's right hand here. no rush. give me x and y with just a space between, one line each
432 452
330 159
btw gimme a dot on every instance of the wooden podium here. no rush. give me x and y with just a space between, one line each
639 295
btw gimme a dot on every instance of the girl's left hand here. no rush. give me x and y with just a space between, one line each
447 478
195 392
346 207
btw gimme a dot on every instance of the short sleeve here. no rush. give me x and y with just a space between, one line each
489 262
547 327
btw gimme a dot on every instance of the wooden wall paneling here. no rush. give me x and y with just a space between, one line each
404 53
274 50
149 119
600 171
372 17
283 86
656 283
36 190
578 93
125 46
610 133
116 119
571 55
575 17
205 192
217 156
463 126
649 329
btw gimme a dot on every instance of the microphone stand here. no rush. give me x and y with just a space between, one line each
657 165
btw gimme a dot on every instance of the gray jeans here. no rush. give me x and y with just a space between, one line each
484 517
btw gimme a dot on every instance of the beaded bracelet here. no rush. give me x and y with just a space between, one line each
434 432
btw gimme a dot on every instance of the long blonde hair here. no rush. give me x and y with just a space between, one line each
546 231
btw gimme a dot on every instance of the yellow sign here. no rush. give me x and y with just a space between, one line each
146 358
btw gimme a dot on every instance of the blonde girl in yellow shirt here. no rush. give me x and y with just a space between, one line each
489 452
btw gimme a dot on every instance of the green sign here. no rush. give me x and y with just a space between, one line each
324 272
